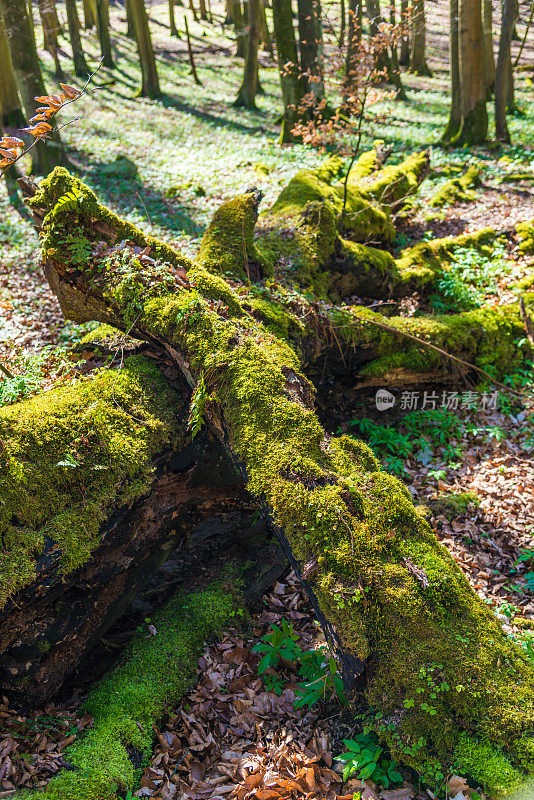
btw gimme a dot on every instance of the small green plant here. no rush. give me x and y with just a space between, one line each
198 407
31 371
278 645
366 759
471 277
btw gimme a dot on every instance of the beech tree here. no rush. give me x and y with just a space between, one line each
12 114
150 85
249 87
49 21
418 63
288 66
48 153
80 64
101 15
489 60
504 73
311 48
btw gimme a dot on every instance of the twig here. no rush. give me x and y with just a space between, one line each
6 372
529 23
190 51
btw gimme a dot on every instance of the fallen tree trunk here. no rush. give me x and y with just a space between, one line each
446 686
103 485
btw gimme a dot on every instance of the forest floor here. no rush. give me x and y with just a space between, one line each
232 737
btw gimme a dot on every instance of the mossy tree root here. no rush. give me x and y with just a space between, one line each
451 690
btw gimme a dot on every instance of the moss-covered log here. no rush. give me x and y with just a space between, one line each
449 689
102 484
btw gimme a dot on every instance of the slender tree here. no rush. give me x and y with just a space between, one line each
102 24
504 72
288 66
353 39
239 27
489 61
265 34
455 117
150 85
247 93
383 63
49 21
49 153
311 48
80 64
172 20
9 95
418 63
202 9
89 14
404 58
474 124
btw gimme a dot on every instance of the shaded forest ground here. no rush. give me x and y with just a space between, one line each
193 150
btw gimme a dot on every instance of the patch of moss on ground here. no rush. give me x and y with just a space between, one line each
525 234
72 455
155 671
457 189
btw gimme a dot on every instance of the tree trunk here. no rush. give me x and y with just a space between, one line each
48 14
489 61
404 59
311 48
80 65
342 24
202 9
150 85
247 93
418 63
48 153
455 117
12 115
102 24
239 27
353 40
89 17
392 602
504 72
265 34
172 21
383 61
288 67
474 124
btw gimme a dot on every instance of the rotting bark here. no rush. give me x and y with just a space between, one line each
349 528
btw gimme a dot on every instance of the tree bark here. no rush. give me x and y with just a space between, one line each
418 63
48 153
474 124
504 72
404 59
89 17
390 598
247 93
202 9
383 61
172 21
311 48
489 61
12 114
102 24
353 39
455 117
150 85
288 67
265 34
80 64
48 14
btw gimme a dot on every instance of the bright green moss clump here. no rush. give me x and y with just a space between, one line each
397 181
525 234
72 455
457 189
154 671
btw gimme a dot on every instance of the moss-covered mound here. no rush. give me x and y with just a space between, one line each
73 455
450 690
155 671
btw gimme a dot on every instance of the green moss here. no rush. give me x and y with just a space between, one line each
525 235
490 768
366 164
453 505
421 264
276 319
73 454
362 270
60 183
397 181
154 671
227 248
457 189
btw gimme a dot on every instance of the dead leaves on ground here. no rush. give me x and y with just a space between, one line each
31 747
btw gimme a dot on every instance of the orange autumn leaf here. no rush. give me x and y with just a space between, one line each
71 92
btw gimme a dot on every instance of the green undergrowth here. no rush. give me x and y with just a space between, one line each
156 670
447 683
71 456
